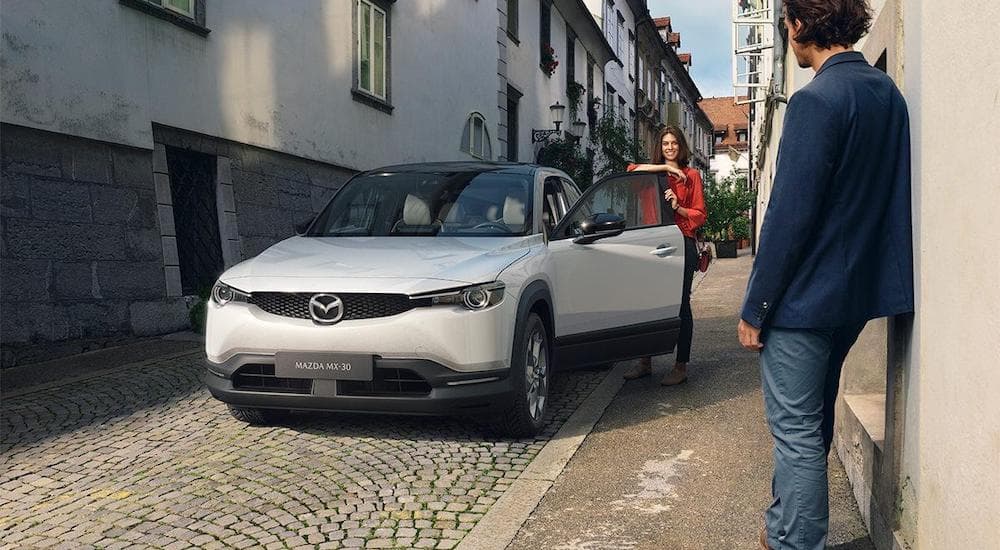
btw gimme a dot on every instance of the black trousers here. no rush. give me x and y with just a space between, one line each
687 319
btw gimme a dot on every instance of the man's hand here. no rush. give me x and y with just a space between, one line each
749 336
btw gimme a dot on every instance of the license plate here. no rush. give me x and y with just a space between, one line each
324 366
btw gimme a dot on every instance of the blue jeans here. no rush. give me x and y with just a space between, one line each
800 370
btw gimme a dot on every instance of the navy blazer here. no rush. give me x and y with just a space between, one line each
836 243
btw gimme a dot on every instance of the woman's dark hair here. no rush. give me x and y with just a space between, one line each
827 23
683 151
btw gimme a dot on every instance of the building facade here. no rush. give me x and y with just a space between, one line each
731 127
916 420
147 145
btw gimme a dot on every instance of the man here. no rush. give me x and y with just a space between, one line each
835 251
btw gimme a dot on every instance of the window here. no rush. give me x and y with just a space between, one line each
513 98
621 108
188 14
609 100
620 35
570 56
609 21
719 137
372 49
475 138
635 198
631 55
545 29
741 135
512 19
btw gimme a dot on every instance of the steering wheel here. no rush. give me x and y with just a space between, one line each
496 225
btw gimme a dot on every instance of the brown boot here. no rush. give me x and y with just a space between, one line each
643 368
677 375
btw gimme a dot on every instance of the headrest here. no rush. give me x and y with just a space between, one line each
416 211
453 212
513 210
493 213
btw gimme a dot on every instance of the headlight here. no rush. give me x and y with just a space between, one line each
474 297
222 294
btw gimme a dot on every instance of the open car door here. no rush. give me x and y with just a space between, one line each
618 260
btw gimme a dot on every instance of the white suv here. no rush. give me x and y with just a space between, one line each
448 288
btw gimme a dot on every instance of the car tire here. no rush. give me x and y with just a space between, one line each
530 375
257 417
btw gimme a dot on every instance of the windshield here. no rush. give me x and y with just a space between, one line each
429 204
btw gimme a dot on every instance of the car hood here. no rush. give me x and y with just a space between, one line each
384 264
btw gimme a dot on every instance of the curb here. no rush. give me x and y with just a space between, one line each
497 529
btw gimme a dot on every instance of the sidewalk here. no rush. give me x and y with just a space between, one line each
682 467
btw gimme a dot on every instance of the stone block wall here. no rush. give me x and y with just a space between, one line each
87 246
80 239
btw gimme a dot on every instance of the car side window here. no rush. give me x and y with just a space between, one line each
636 198
554 203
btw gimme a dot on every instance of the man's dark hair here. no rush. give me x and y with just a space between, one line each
827 23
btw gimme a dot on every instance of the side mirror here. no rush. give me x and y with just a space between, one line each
600 226
303 226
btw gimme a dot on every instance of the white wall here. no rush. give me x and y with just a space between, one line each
723 164
951 455
540 90
266 75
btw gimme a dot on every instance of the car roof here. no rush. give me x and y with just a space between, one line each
456 166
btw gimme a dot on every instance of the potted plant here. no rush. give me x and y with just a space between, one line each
727 203
549 61
741 231
574 92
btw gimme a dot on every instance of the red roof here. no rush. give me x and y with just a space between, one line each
674 39
685 58
662 22
727 116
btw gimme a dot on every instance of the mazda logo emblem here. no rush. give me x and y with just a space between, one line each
326 309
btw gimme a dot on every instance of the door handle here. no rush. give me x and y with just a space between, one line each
663 250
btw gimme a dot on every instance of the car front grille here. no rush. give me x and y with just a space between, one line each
259 377
356 306
387 383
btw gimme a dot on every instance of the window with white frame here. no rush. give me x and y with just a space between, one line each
476 138
372 23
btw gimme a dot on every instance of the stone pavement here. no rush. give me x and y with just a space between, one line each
143 457
684 467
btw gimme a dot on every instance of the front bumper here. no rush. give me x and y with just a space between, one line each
448 392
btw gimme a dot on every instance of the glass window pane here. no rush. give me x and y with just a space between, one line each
378 62
183 6
477 136
364 46
635 198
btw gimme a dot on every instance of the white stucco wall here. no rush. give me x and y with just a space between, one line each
540 90
951 455
266 75
723 164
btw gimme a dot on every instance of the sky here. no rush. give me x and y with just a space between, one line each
706 32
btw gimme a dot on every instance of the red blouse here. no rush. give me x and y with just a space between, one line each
690 196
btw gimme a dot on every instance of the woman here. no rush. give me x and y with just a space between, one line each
686 197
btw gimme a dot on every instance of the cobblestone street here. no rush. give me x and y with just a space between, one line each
144 457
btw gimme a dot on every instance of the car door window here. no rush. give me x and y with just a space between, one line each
636 198
554 203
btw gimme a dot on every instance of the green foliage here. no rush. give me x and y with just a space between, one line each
199 311
574 91
618 145
727 203
565 154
